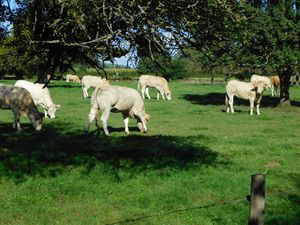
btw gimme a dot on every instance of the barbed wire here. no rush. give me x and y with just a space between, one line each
214 204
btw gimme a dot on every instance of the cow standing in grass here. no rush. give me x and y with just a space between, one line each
111 98
73 78
91 81
244 90
160 83
267 81
20 102
41 96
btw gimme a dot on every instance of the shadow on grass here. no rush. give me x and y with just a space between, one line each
292 215
64 85
219 99
53 150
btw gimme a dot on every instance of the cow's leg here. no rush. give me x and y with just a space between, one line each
126 121
227 103
257 109
16 123
143 91
272 89
276 92
104 119
162 94
257 105
92 115
147 92
230 102
85 92
251 105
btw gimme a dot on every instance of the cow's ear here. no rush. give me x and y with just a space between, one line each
57 106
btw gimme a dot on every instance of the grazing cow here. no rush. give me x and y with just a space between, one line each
20 102
244 90
254 78
91 81
275 83
160 83
40 96
73 78
117 99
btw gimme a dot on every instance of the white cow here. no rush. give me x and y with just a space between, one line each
275 83
20 102
117 99
41 96
160 83
254 78
244 90
91 81
73 78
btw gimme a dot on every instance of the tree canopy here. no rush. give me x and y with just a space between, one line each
246 33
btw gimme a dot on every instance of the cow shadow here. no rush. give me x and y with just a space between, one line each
64 86
205 99
53 150
219 99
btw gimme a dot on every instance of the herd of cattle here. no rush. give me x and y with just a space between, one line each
24 97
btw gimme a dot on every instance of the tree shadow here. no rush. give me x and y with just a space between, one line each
53 150
64 85
206 99
219 99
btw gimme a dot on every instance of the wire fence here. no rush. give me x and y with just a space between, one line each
244 199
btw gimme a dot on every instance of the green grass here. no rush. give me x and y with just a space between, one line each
194 158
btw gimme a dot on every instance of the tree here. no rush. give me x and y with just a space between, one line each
63 32
269 38
2 20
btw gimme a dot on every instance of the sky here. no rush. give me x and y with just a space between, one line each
122 60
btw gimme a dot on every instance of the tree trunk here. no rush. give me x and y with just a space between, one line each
285 76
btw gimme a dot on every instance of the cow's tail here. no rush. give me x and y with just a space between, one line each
95 93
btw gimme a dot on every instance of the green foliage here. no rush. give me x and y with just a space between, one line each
192 167
174 68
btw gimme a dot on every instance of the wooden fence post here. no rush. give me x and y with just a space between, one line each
257 200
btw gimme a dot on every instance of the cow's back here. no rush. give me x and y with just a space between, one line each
18 97
118 97
152 81
39 93
239 88
275 80
93 81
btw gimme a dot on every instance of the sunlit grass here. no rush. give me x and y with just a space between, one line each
194 155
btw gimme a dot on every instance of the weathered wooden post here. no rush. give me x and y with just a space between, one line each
257 200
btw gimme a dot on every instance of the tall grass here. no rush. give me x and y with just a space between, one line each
192 167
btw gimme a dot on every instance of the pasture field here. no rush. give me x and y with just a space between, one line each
192 167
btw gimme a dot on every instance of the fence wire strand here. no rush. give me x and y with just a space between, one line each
215 204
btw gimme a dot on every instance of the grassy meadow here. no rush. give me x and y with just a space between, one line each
192 167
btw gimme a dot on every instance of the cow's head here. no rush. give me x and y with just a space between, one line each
168 95
51 110
37 121
259 86
142 128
